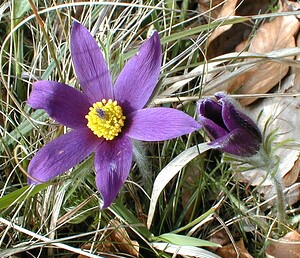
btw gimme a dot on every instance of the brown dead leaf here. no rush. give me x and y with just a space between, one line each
292 6
117 240
285 114
120 236
277 34
212 7
271 36
293 175
293 195
287 246
88 246
220 237
259 79
225 38
227 10
230 251
285 117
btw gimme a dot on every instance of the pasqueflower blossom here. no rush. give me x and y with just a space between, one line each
228 127
104 118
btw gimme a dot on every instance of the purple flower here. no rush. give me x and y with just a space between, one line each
103 118
228 127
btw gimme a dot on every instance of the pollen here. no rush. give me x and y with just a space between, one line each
105 119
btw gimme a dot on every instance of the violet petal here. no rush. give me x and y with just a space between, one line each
63 103
213 130
158 124
238 142
90 65
62 154
234 118
211 110
112 163
138 78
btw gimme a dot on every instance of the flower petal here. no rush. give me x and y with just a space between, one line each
90 65
213 130
112 163
62 154
158 124
211 110
137 80
239 142
63 103
234 118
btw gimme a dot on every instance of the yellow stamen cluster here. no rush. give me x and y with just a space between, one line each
105 119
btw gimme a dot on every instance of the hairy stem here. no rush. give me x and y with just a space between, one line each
280 199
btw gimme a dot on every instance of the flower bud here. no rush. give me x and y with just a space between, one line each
228 127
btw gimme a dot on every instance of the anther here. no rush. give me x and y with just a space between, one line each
105 119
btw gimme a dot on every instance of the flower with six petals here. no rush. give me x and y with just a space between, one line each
104 117
228 127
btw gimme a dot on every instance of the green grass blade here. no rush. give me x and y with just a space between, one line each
20 195
184 240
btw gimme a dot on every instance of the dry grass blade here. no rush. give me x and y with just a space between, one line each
44 240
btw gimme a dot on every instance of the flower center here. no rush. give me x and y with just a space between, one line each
105 119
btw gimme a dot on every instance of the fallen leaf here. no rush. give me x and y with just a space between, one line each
116 240
230 250
120 237
287 246
276 34
292 6
224 39
285 113
285 117
227 10
211 7
220 237
293 194
293 175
